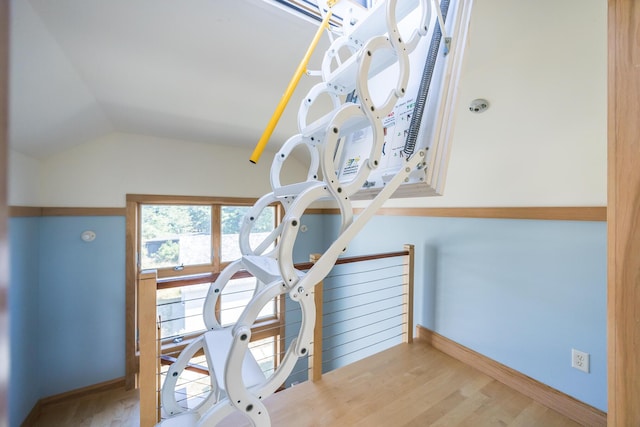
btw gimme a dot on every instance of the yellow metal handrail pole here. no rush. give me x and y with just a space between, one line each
302 68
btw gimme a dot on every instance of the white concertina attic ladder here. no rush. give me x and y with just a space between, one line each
377 46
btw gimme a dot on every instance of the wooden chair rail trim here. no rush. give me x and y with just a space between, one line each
167 199
31 211
84 211
542 393
24 211
578 213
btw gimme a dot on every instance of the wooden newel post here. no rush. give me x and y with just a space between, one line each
148 379
407 293
315 358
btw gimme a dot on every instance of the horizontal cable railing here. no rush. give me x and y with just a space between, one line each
362 307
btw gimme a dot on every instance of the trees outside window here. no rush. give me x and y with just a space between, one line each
187 237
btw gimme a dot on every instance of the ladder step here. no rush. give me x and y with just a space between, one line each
218 343
264 268
343 78
296 189
318 128
375 22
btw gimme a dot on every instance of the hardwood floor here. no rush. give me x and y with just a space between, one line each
116 408
408 385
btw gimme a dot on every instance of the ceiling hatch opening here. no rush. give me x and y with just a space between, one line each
315 10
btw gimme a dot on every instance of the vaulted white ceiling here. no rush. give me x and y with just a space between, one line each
200 70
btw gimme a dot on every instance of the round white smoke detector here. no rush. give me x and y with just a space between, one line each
479 105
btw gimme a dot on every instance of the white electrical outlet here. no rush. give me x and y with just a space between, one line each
580 360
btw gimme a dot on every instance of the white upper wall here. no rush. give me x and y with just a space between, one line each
24 180
100 173
543 141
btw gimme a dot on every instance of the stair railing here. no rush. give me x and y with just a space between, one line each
154 351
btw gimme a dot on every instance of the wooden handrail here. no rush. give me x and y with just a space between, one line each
199 279
352 259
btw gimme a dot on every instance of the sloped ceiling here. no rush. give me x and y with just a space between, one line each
201 70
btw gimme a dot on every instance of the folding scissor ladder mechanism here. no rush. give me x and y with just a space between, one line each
375 44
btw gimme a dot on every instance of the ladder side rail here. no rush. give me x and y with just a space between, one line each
214 292
322 267
168 396
283 154
247 225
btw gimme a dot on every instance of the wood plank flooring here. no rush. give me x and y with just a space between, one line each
115 408
406 386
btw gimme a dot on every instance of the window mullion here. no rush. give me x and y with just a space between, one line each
216 241
216 231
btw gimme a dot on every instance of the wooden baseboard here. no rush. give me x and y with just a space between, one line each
75 394
71 395
33 415
541 393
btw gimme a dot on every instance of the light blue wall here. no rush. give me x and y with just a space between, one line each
82 302
521 292
67 306
312 240
23 326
